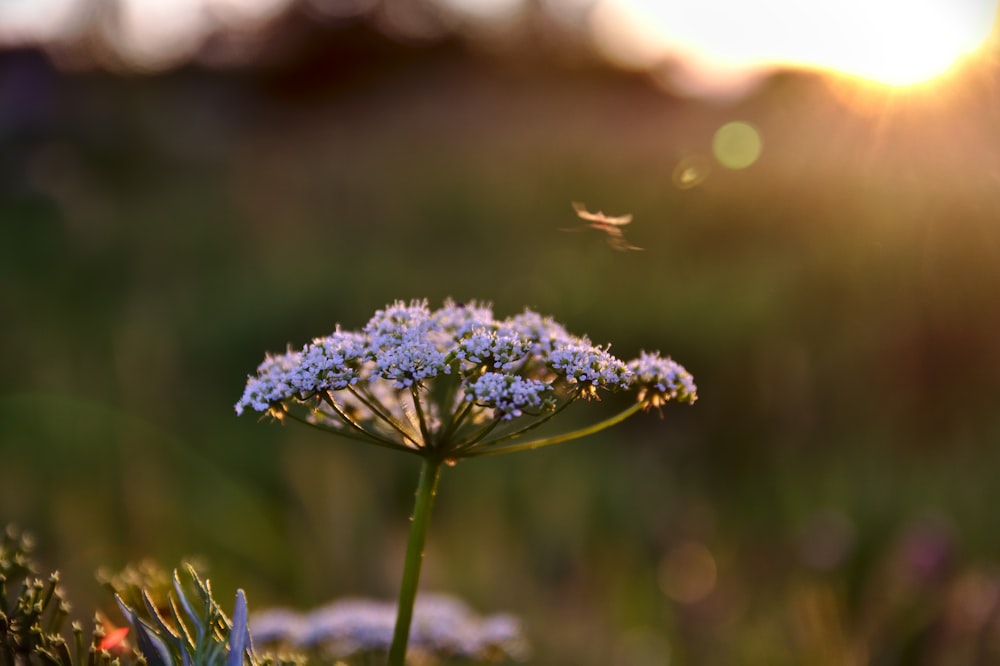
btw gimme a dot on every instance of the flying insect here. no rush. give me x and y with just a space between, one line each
611 226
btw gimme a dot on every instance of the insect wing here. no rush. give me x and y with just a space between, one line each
599 219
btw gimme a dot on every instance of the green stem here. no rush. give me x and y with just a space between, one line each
430 472
555 439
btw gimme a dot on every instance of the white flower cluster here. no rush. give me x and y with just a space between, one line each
544 333
584 363
509 395
660 379
402 344
332 363
507 367
498 348
277 378
326 364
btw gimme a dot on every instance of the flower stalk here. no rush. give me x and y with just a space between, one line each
430 473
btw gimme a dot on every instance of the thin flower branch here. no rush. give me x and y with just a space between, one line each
425 431
342 414
475 437
380 411
456 420
341 432
544 418
555 439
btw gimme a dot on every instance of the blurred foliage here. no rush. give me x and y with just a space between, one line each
836 302
33 619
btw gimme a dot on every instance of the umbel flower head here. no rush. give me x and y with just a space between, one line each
447 384
453 382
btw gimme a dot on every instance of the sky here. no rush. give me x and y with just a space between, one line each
708 45
893 42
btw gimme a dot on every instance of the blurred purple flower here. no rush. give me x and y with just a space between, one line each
927 549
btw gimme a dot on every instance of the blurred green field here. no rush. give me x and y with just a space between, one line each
833 490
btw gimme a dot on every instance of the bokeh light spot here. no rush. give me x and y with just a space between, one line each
158 34
26 20
826 540
688 573
484 10
737 145
691 171
642 646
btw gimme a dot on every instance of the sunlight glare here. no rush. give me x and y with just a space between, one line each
894 42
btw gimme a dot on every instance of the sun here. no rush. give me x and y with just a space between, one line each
905 42
890 42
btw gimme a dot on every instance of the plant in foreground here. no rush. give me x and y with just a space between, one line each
32 622
449 384
174 622
188 627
